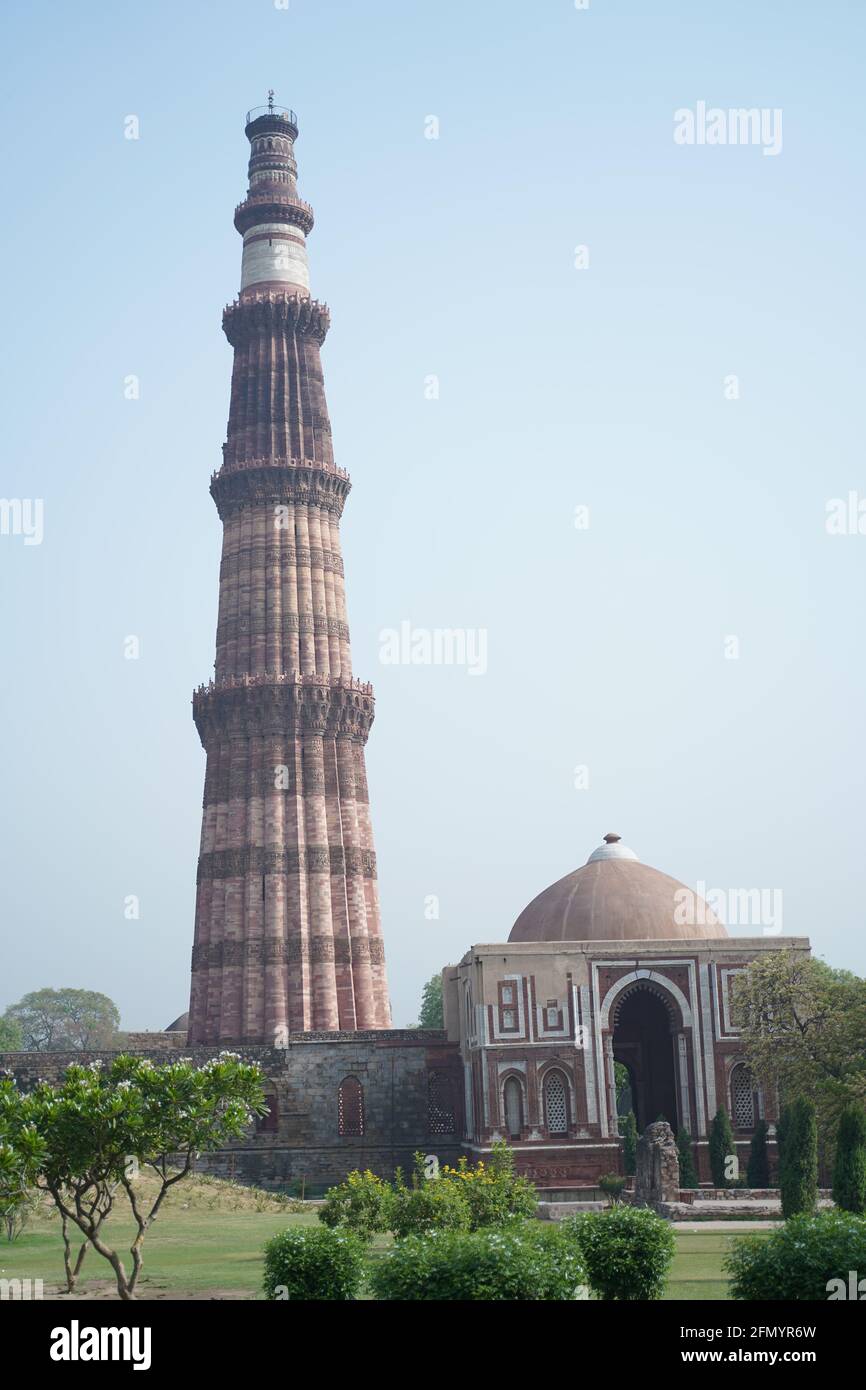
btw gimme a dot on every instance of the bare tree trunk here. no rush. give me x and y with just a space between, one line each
72 1271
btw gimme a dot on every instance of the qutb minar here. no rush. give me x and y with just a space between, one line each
287 927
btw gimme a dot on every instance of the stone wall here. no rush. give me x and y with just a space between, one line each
151 1042
401 1115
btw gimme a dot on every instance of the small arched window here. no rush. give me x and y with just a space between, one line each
350 1107
267 1123
556 1103
742 1097
513 1097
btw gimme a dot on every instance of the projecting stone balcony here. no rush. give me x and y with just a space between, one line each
279 482
275 311
280 704
311 465
273 207
309 678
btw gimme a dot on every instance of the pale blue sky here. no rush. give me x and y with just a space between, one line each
559 387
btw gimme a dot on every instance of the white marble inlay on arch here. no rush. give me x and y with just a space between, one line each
651 975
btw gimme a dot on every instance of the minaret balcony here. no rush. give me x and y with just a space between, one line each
273 207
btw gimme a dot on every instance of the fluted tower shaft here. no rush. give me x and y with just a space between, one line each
287 929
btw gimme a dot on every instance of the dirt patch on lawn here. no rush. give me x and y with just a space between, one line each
104 1290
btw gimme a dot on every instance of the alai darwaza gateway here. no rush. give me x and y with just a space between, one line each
614 963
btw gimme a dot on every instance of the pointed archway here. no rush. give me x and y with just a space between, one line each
642 1026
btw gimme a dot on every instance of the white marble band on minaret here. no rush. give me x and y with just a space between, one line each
275 254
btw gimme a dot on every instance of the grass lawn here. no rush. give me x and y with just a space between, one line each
210 1237
697 1268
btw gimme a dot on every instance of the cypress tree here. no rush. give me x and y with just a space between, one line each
849 1170
721 1147
798 1158
629 1143
688 1172
758 1172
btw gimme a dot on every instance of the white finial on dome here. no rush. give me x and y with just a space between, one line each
613 848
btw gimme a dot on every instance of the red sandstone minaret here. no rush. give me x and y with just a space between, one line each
287 931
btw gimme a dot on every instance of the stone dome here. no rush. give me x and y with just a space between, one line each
614 897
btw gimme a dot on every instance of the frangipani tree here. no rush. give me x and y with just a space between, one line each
90 1136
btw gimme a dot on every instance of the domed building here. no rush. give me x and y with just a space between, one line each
614 963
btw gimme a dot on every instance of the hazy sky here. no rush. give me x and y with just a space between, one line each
606 387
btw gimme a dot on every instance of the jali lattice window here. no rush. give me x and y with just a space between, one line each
350 1106
440 1103
742 1097
556 1103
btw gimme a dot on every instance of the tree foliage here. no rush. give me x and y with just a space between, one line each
86 1139
11 1037
803 1029
64 1020
432 1013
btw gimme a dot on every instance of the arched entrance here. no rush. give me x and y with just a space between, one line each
642 1026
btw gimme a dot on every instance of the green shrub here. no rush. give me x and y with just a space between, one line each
612 1186
629 1143
304 1263
529 1263
627 1251
495 1194
798 1261
360 1204
849 1169
758 1171
688 1172
798 1158
430 1204
721 1147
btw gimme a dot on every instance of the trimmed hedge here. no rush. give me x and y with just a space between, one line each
685 1154
722 1147
799 1261
627 1251
758 1171
798 1159
531 1263
313 1264
849 1170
